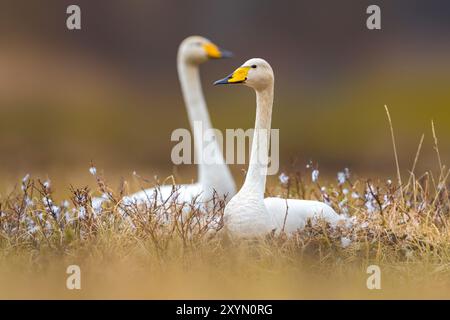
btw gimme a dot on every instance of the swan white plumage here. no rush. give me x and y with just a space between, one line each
214 177
248 213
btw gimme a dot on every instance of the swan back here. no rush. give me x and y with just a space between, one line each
297 213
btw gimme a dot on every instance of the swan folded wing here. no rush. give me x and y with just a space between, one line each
184 193
297 212
189 196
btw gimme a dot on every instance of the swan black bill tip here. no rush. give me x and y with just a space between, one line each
222 81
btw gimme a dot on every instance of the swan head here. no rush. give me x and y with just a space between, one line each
255 73
197 50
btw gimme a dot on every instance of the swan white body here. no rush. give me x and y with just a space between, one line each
248 213
213 179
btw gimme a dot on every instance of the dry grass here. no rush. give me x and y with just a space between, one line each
159 252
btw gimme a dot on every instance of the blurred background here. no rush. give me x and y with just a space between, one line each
109 93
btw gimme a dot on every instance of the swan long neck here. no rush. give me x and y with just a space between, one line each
208 174
255 181
193 95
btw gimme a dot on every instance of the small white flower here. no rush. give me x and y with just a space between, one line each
347 173
345 242
341 177
284 179
370 207
47 200
315 175
25 179
46 184
389 182
387 201
345 191
355 195
66 204
93 170
55 209
29 202
343 207
323 189
81 212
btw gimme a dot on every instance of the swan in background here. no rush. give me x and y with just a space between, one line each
213 179
248 213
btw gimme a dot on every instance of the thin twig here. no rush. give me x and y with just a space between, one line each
399 177
416 159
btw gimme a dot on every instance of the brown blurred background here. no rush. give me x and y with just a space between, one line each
110 93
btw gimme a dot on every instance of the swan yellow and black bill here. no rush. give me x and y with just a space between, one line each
214 52
238 76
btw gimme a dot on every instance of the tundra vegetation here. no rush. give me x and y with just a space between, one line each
173 250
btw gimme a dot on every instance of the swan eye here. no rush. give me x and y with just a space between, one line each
254 66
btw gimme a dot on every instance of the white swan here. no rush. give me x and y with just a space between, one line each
213 179
248 213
